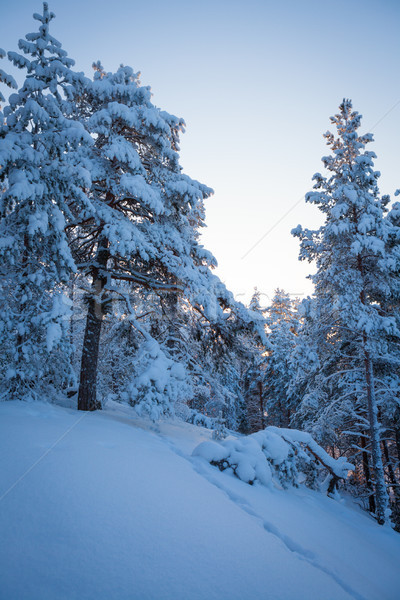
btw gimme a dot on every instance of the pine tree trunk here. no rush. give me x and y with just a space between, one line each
171 303
20 382
260 394
395 498
381 496
367 475
389 464
87 399
379 476
397 434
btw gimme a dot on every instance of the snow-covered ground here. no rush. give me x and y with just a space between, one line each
107 506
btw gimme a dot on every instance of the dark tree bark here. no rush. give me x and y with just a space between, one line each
367 475
397 434
388 462
87 398
379 475
395 497
381 497
171 304
261 400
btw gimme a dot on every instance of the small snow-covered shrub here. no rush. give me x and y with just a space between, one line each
241 457
197 418
158 384
190 415
284 456
220 431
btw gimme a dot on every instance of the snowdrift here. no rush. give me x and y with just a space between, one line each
106 506
287 456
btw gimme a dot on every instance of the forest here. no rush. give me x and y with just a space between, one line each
107 292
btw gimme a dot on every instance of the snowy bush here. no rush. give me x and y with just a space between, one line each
283 456
159 382
190 415
220 431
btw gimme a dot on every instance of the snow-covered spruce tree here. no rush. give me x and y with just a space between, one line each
282 323
148 215
326 400
388 374
160 381
9 81
40 173
228 351
219 357
354 268
325 388
309 378
253 373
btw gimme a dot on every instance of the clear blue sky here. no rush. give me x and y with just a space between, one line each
256 82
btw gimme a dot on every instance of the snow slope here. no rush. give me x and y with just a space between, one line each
107 506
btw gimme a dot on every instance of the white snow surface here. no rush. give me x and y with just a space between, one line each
108 506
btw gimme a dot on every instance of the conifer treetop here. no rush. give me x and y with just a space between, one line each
41 45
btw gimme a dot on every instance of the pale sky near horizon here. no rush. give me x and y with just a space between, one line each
256 82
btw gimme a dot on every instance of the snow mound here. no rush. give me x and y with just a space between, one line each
284 456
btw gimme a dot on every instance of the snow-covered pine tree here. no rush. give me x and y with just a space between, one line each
148 215
327 400
40 174
253 372
306 375
9 81
388 373
282 323
217 374
255 302
354 268
224 349
145 231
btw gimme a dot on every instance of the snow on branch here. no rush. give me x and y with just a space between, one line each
339 467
